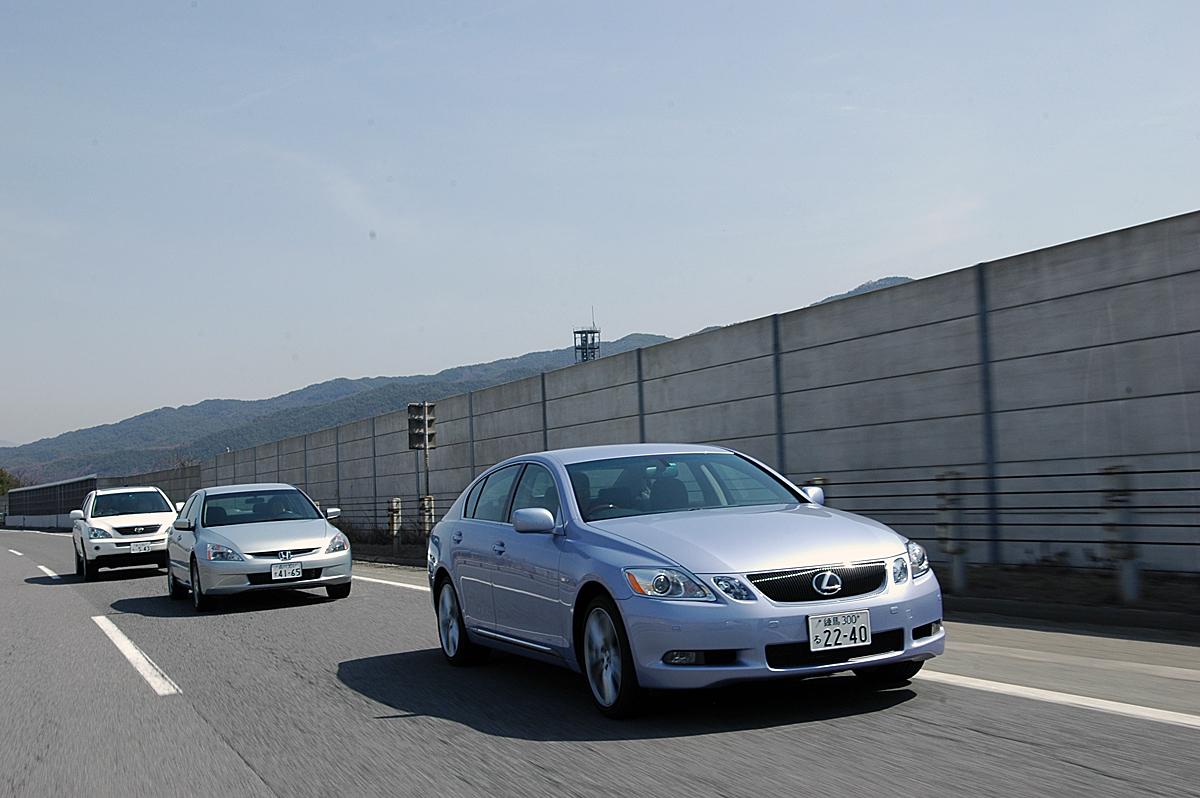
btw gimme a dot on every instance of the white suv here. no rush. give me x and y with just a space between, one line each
121 526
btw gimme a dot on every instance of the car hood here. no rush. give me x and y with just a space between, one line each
309 533
749 539
111 522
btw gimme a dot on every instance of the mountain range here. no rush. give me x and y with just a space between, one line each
169 436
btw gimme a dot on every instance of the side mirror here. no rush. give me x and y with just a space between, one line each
814 493
77 515
533 519
178 507
333 512
183 524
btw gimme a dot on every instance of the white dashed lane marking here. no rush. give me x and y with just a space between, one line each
154 675
390 582
1064 699
14 551
48 572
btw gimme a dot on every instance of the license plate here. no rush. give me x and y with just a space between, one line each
841 630
139 548
287 570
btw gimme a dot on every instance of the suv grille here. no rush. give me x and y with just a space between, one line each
797 655
797 585
144 529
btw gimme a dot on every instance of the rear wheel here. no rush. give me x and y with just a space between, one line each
456 646
200 602
338 591
608 661
895 675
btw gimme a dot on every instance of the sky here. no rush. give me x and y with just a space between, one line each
207 199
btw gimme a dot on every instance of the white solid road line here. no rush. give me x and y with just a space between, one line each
48 572
1161 671
159 681
1065 699
14 551
390 582
34 532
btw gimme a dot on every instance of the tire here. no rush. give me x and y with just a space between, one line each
607 660
87 571
175 590
338 591
78 562
200 602
457 647
896 675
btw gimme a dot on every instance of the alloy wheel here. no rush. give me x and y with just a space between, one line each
602 657
448 629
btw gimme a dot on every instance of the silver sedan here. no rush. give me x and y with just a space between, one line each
238 538
676 566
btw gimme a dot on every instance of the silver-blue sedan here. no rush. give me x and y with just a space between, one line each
675 566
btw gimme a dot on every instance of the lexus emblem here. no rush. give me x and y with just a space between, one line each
287 555
827 583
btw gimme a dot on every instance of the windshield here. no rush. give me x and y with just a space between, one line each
672 483
131 503
256 507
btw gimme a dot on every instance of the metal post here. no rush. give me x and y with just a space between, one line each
1118 531
426 516
394 522
949 526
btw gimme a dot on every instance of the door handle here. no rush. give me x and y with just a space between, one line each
498 548
456 536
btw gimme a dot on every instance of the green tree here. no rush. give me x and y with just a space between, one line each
8 481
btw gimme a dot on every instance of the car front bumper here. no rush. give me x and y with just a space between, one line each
220 577
114 552
743 631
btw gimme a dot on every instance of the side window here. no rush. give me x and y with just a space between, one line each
194 512
536 489
468 508
187 508
493 499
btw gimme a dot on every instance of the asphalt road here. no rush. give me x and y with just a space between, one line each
291 694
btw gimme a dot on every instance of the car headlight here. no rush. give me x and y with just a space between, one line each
900 570
339 543
96 532
667 583
218 552
733 587
918 559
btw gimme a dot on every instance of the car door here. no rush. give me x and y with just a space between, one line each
180 541
473 545
526 577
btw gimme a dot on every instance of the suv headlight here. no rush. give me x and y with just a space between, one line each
339 543
667 583
918 559
218 552
96 532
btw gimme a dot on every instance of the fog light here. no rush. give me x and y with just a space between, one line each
682 658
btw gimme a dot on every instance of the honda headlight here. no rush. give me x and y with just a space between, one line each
218 552
667 583
339 543
96 532
918 559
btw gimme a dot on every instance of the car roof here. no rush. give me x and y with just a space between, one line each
247 487
584 454
130 489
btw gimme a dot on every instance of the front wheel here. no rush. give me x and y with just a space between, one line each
452 633
896 675
175 590
608 661
85 569
200 602
338 591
